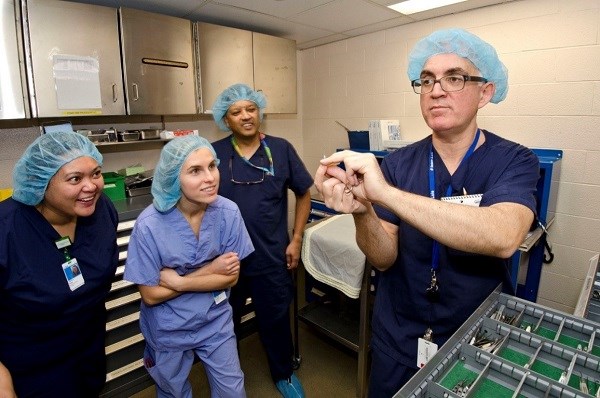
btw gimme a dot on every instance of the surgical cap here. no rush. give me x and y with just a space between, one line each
237 92
466 45
43 158
166 187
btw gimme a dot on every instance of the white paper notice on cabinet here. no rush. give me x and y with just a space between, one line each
77 81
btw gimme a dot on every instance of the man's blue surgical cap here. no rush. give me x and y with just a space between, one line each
466 45
166 187
43 158
237 92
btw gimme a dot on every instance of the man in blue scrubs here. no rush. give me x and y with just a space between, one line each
257 170
439 259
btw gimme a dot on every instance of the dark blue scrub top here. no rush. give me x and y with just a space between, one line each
502 171
52 338
264 206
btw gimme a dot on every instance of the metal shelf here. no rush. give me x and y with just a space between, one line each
328 321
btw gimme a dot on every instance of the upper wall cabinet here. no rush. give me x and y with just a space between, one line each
275 71
228 56
225 56
75 59
12 100
158 59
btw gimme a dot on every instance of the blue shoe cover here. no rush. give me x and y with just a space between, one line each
290 388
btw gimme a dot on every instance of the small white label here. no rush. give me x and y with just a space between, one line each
426 350
219 296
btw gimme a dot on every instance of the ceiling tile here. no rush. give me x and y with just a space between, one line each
342 15
279 8
257 22
309 22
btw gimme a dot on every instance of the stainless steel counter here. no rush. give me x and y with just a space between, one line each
130 208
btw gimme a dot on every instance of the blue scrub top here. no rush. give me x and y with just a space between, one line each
502 171
264 205
45 327
166 239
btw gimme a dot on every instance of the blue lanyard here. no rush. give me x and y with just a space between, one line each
435 253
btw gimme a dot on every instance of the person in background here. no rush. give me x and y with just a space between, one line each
54 322
259 170
438 260
184 254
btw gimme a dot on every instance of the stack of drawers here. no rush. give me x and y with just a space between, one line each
124 341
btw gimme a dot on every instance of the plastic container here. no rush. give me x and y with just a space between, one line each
114 186
358 139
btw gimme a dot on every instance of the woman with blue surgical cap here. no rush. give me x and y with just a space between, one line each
439 259
259 170
184 254
52 332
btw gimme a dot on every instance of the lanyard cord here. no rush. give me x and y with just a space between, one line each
270 170
435 254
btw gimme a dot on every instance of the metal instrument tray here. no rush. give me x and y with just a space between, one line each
512 347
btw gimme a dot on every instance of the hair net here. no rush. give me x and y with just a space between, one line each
166 188
43 158
237 92
466 45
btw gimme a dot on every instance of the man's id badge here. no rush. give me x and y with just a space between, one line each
219 296
73 274
425 351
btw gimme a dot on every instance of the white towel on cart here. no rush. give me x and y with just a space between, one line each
330 254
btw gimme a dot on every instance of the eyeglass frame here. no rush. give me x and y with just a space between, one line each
243 182
465 79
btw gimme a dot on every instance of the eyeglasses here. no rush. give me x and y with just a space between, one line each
233 180
447 83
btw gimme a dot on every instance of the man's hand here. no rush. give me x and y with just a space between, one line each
350 190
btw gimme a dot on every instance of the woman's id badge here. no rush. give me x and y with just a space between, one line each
73 274
219 296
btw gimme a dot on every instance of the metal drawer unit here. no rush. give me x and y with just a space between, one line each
124 341
511 347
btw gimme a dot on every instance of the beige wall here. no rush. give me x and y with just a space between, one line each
552 51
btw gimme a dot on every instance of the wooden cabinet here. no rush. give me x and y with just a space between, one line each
75 59
228 56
